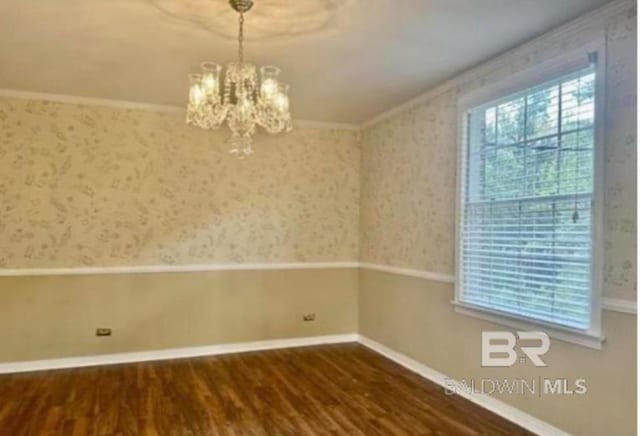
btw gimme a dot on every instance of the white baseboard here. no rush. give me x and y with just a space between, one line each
504 410
175 353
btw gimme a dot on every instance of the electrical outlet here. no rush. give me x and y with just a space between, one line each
309 317
103 332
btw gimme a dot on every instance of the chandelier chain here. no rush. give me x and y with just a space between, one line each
241 38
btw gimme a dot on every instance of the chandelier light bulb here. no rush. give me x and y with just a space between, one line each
196 93
209 83
281 99
281 102
269 76
210 79
269 88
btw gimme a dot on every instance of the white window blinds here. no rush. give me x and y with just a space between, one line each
526 230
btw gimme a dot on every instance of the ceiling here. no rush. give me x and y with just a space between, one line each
346 60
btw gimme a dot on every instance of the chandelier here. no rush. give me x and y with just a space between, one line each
243 99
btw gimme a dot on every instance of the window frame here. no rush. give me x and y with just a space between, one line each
518 82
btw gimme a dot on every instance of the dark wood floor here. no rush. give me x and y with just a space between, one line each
332 389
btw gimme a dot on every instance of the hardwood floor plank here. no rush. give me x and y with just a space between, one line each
321 390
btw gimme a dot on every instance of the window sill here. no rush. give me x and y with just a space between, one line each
578 337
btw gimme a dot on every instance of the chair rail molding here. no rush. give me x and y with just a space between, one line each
143 269
611 304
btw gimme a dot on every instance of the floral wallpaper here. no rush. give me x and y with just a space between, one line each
409 188
98 186
408 169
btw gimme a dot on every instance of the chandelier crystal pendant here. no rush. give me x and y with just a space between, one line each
243 99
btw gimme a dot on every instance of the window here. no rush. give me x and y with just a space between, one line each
526 229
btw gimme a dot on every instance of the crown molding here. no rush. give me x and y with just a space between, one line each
89 101
589 20
148 107
310 124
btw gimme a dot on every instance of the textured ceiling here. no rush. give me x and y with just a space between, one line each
346 60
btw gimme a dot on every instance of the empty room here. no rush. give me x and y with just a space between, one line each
318 217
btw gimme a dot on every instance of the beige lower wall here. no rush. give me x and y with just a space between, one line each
415 317
56 316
